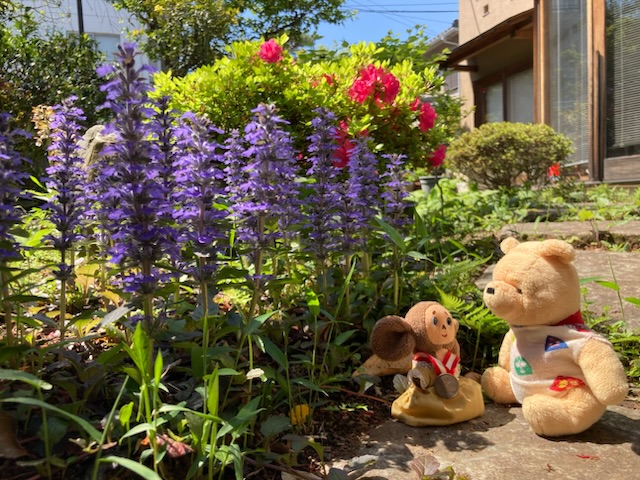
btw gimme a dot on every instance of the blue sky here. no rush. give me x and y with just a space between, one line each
376 17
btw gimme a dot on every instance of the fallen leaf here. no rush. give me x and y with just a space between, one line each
9 446
173 447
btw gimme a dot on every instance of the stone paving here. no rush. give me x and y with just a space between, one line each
500 445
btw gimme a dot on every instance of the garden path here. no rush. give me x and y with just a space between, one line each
500 445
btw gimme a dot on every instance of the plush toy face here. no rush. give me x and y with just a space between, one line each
440 327
427 327
535 283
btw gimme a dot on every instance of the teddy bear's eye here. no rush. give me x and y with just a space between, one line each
435 320
520 291
449 321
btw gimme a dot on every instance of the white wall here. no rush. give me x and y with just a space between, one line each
101 21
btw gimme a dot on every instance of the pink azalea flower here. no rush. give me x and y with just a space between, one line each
437 158
270 51
345 146
376 82
427 117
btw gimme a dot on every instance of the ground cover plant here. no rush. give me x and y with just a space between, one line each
211 289
193 303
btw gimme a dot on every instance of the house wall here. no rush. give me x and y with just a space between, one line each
101 21
478 16
475 18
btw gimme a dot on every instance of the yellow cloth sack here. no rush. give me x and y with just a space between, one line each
422 408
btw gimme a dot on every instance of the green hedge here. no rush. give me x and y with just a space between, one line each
504 154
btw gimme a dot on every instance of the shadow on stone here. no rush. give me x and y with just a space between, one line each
612 429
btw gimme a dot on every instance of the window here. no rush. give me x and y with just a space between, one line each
506 96
107 43
623 72
520 95
568 74
494 104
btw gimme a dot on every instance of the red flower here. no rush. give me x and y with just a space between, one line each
376 82
554 171
427 117
345 146
437 158
270 51
329 78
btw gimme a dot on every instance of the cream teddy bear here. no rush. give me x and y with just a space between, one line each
562 373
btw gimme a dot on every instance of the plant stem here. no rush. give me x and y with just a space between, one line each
63 298
6 304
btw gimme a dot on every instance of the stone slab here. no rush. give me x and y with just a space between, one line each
500 446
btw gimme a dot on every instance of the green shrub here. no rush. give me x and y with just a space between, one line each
505 155
229 89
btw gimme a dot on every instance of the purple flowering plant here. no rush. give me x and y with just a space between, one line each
12 178
184 210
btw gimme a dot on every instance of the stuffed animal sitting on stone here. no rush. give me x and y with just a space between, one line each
436 395
561 372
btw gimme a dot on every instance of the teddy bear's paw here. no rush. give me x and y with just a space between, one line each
497 386
553 416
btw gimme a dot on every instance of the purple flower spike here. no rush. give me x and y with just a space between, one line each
267 192
65 175
12 179
324 197
199 175
395 192
129 182
361 197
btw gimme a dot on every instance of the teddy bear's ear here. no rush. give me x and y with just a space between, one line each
392 338
560 249
508 244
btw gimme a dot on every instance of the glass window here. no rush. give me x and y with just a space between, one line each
568 74
107 43
520 98
494 103
623 77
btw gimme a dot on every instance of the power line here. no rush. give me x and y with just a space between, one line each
365 10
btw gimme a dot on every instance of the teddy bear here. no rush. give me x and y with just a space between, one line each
562 373
436 394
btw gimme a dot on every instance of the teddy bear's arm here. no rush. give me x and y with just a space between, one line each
603 372
504 357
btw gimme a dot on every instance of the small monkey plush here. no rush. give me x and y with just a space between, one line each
436 394
429 333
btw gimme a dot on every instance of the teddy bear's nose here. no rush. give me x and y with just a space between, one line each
490 290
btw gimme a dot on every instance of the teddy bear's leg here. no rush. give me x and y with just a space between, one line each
497 385
556 416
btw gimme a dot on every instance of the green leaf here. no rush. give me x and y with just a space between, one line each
157 369
312 302
274 352
275 425
633 300
393 234
17 375
125 414
308 384
81 422
607 284
114 315
135 467
344 336
213 393
142 428
256 322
